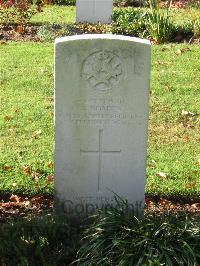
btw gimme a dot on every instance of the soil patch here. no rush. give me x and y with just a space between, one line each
10 33
30 33
16 206
177 4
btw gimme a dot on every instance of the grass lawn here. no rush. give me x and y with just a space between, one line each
55 14
66 14
185 15
26 159
26 120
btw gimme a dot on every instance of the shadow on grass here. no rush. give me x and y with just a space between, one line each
38 241
110 237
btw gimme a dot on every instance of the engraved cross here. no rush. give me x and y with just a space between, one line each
100 153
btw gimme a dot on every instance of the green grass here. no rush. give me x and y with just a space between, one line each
66 14
182 16
26 120
55 14
172 138
26 99
170 239
38 241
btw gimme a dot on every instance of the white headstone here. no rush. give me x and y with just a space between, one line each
94 11
101 114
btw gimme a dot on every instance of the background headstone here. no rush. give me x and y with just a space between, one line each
101 114
94 11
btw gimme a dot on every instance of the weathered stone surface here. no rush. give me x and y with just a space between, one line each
94 11
101 114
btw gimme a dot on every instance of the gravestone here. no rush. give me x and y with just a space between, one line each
101 114
94 11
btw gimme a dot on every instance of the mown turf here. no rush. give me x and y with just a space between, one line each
55 14
26 120
185 15
66 14
26 117
173 135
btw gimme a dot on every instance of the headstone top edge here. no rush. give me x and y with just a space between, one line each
102 37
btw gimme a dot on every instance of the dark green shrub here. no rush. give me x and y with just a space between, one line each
160 24
128 21
188 31
45 34
44 241
196 27
119 238
183 32
155 23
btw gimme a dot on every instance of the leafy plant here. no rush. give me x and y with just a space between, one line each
119 238
156 23
128 21
183 32
19 12
160 24
38 241
194 3
45 34
196 27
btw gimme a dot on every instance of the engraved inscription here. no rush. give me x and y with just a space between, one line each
100 152
110 104
101 119
102 70
101 101
85 199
